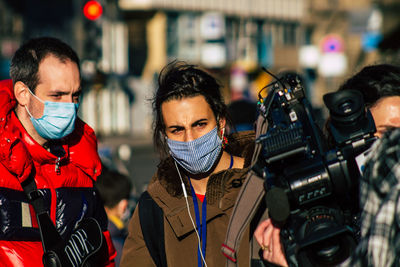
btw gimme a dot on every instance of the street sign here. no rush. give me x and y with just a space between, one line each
332 43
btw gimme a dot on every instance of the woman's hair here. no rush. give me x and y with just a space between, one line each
179 80
375 82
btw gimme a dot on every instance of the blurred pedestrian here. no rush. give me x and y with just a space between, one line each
115 189
243 113
182 218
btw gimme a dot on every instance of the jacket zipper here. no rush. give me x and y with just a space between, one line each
57 167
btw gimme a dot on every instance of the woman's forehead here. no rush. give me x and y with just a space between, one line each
186 110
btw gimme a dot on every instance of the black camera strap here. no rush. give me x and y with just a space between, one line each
85 241
247 201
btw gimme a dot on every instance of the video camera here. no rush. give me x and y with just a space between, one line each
312 187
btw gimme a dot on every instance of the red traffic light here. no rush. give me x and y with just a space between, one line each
92 10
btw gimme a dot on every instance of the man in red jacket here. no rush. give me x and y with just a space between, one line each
41 137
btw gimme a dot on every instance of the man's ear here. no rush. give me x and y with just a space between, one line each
121 207
21 93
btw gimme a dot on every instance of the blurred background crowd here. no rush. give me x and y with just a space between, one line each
123 45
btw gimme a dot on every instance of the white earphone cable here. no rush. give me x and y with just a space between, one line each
188 209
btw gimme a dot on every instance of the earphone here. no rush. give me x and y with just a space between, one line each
191 218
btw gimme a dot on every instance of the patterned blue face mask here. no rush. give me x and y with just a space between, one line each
199 155
58 119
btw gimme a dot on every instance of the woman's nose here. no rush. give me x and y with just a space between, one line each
189 136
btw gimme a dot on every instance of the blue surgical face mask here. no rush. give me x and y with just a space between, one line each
199 155
58 119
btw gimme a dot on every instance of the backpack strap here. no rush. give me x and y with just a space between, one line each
247 201
56 251
48 233
151 219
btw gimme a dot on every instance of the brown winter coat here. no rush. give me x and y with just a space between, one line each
180 238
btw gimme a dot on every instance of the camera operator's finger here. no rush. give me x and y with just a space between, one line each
278 255
267 238
259 232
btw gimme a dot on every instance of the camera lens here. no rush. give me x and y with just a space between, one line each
326 241
332 251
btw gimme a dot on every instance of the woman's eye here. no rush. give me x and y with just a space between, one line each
175 131
201 124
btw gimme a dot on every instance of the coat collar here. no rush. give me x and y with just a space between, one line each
38 153
80 147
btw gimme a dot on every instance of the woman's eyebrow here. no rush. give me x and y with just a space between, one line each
176 127
198 121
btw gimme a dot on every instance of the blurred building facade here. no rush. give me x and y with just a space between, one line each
360 27
216 35
11 35
123 51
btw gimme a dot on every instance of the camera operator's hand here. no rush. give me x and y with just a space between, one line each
268 236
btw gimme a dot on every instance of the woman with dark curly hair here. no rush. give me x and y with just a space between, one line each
197 181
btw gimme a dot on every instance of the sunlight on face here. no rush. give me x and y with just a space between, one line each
187 119
386 114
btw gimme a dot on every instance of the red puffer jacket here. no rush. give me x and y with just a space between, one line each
66 183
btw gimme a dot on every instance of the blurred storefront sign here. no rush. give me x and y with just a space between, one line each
213 55
367 19
332 64
188 39
309 56
333 61
212 26
212 33
371 40
332 43
368 23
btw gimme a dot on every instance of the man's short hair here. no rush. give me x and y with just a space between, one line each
25 62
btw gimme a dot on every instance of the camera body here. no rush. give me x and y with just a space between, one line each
317 180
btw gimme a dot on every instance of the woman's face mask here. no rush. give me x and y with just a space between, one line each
199 155
58 119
